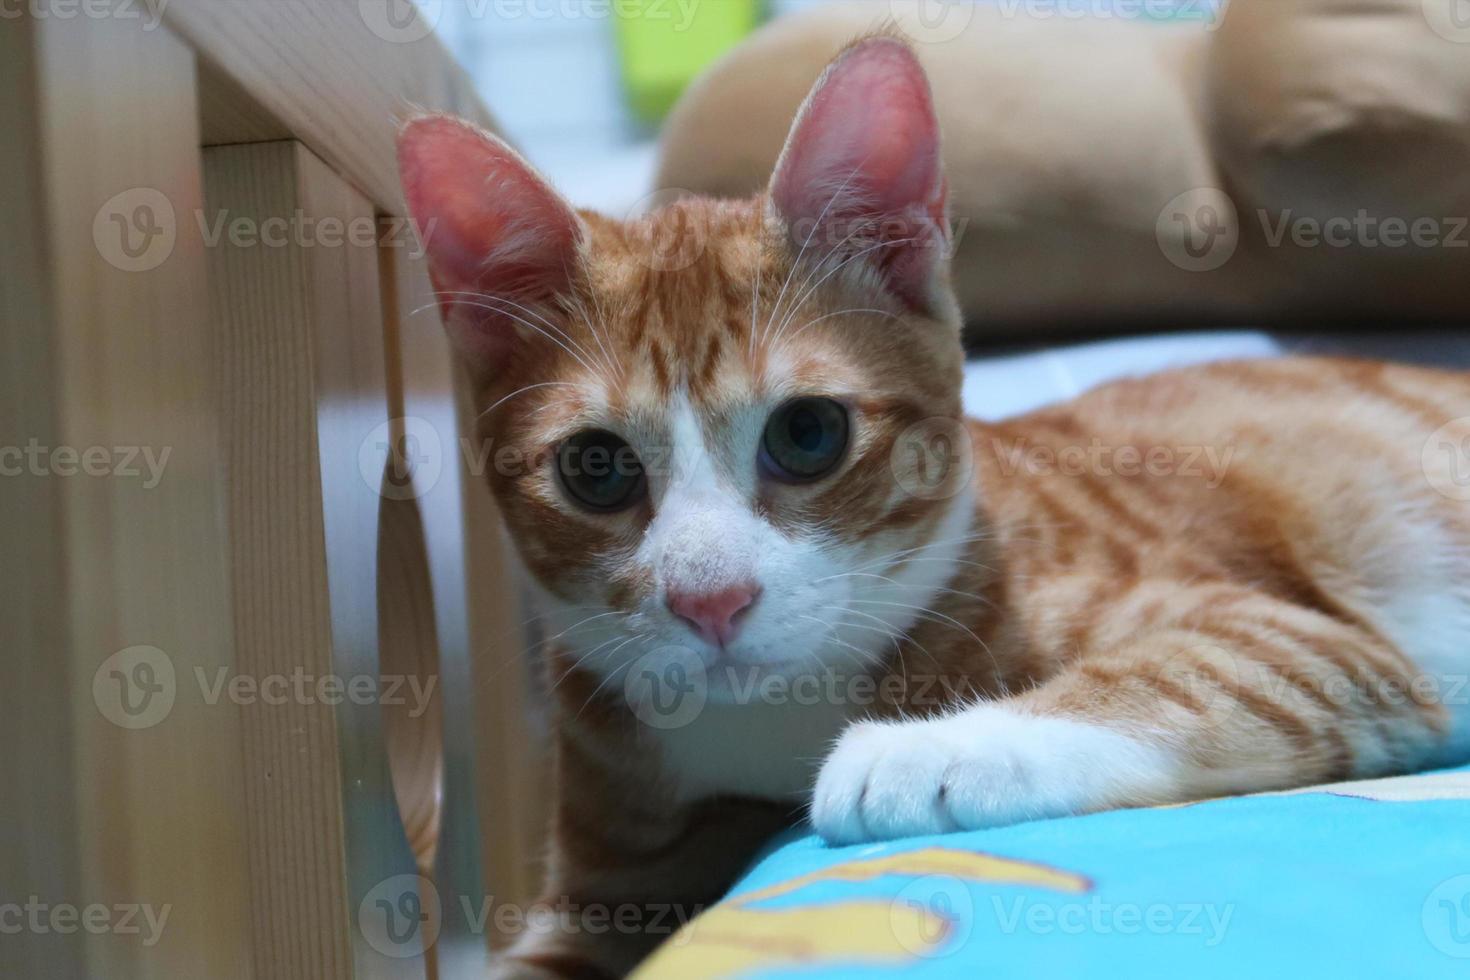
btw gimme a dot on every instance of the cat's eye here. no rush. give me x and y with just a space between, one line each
805 439
600 471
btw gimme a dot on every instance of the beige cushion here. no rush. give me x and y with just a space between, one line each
1110 172
1337 109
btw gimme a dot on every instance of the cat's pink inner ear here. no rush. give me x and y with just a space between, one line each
497 236
863 158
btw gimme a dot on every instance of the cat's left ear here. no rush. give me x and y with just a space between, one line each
501 242
861 171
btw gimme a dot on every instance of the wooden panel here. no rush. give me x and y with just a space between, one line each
515 759
495 760
229 114
340 77
424 489
301 365
257 556
35 634
336 75
131 794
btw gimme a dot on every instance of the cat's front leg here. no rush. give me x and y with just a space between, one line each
627 871
1253 695
983 766
598 919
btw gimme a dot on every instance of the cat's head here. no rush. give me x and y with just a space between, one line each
695 417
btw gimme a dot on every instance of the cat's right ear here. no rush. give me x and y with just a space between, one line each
500 242
861 176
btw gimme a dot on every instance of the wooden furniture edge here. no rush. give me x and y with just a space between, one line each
343 84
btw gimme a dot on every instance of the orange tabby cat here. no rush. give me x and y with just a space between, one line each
744 492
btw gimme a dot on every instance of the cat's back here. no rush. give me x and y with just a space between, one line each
1329 436
1322 448
1227 396
1351 477
1306 422
1341 381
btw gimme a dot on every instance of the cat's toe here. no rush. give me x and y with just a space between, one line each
842 785
882 782
970 771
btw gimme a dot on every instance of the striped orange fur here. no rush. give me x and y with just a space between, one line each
1239 577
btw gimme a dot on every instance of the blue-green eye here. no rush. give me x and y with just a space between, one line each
805 439
600 471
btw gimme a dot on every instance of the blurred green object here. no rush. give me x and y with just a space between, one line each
665 43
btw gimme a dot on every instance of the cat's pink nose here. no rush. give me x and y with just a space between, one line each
716 616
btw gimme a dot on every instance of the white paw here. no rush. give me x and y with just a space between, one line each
983 767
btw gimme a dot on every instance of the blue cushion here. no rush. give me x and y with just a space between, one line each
1357 880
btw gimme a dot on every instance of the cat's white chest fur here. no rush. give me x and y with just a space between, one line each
770 750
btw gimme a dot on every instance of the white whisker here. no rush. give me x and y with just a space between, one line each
829 316
580 358
521 391
796 263
610 675
838 268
